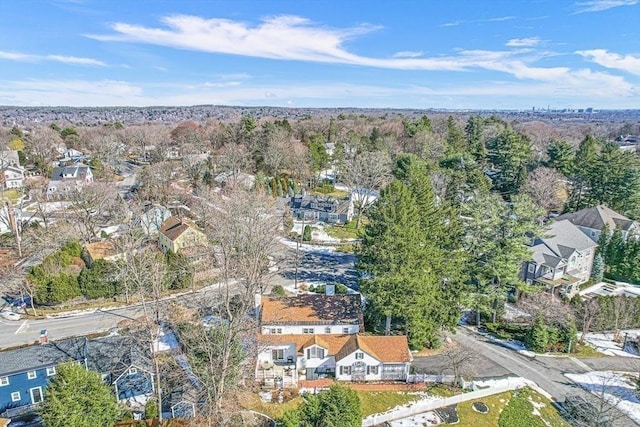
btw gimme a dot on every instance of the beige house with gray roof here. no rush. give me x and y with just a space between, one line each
562 261
591 221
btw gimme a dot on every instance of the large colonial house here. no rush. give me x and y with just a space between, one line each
308 337
561 261
592 220
312 314
321 208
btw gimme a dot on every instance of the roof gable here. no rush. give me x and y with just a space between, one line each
597 217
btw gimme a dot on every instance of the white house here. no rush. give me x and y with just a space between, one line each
312 314
284 360
68 178
12 177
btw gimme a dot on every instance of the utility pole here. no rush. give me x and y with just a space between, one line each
298 243
14 226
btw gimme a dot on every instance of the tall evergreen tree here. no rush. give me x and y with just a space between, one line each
496 234
78 398
475 139
509 154
560 157
456 143
409 252
582 171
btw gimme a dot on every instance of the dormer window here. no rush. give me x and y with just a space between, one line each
315 353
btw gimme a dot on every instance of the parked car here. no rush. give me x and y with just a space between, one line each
9 315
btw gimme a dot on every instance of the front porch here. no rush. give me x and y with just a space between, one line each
566 285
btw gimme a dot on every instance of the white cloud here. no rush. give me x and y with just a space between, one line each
628 63
600 5
408 54
296 38
65 59
478 21
524 42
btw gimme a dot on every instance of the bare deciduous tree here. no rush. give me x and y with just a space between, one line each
40 146
587 313
365 173
233 159
544 185
93 205
244 228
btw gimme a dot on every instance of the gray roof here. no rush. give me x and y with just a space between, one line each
320 204
597 217
111 354
79 169
561 241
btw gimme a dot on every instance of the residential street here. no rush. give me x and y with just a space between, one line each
547 372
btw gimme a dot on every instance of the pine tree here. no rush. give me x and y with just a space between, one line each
410 252
538 336
474 133
560 157
78 398
597 270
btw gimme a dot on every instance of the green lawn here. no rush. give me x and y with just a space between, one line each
342 233
526 408
338 194
371 402
374 402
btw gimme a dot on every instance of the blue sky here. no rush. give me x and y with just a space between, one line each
456 54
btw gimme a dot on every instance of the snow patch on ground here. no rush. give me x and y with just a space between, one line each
604 343
318 234
166 341
308 248
616 388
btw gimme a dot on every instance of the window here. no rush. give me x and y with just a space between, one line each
307 330
36 395
275 330
15 396
315 353
277 354
4 381
51 371
373 370
345 331
532 268
345 370
593 233
327 330
31 375
133 371
359 355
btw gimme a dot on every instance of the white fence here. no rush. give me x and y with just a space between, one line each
429 405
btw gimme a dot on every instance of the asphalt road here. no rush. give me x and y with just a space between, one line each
548 372
317 264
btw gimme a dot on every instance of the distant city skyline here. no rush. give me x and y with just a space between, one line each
460 54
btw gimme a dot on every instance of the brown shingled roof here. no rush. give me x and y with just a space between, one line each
173 227
387 349
308 308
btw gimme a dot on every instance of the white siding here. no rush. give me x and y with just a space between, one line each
349 360
317 329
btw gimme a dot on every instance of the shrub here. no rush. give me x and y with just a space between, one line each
306 234
538 336
150 409
278 290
